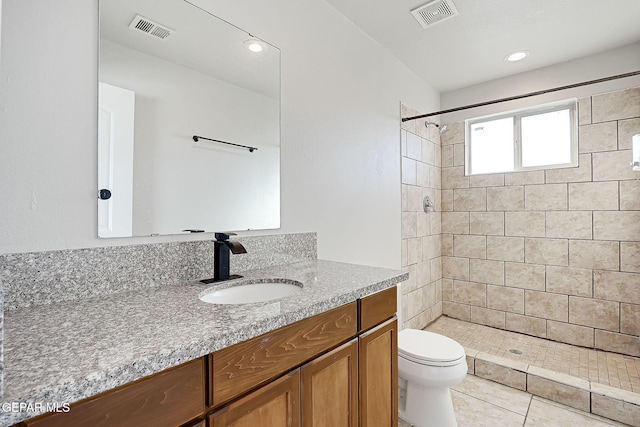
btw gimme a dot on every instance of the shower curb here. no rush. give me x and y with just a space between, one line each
588 396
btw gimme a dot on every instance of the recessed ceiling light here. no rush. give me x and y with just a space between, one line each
517 56
255 45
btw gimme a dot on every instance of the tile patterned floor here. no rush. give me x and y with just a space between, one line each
483 403
612 369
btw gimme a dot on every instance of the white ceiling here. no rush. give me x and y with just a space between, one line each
470 48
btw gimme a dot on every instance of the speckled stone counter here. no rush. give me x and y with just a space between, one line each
65 352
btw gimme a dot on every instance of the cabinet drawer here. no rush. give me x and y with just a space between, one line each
377 308
170 398
246 365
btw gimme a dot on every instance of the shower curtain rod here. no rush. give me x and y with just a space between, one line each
526 95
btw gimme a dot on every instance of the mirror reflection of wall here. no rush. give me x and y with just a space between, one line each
200 79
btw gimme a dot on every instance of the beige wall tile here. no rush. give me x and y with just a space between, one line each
429 152
414 146
629 195
423 224
414 251
526 224
436 222
546 305
589 196
505 298
624 225
524 178
619 343
414 198
501 374
561 393
456 310
617 286
572 334
409 170
612 165
598 137
404 252
527 325
486 223
409 112
470 246
447 245
547 197
455 222
470 199
455 268
594 254
447 201
487 317
447 156
630 319
505 248
547 251
505 198
582 173
447 289
424 273
436 177
584 111
454 133
615 409
570 281
569 225
626 130
409 225
618 105
597 313
486 271
458 155
525 276
487 180
454 178
431 247
630 256
436 268
470 293
423 172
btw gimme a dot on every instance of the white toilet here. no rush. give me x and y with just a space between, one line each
428 364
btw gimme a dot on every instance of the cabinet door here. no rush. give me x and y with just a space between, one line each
274 405
379 376
330 388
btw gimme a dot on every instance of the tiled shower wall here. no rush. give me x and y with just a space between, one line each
552 253
421 235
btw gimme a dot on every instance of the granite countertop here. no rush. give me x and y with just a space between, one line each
65 352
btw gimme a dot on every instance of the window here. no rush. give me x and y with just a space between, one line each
542 137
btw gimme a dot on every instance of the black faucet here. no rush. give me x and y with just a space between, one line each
222 250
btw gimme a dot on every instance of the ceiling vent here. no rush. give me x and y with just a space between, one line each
434 12
151 28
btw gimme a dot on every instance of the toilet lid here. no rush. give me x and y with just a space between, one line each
428 348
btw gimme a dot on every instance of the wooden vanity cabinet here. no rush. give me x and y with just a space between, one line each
337 369
170 398
276 404
330 388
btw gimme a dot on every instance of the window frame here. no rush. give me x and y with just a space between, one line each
517 115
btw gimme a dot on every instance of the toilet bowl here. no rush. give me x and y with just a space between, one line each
428 364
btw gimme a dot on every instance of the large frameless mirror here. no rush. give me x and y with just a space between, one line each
188 122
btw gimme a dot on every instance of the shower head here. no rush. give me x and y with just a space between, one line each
442 129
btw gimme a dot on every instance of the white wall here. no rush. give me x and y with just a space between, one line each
341 96
614 62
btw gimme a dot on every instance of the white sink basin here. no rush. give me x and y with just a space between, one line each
249 292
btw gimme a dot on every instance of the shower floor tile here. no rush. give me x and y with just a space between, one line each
612 369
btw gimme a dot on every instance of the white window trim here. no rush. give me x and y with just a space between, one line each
571 104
